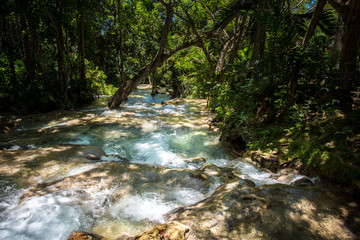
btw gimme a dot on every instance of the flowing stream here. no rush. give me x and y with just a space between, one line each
121 192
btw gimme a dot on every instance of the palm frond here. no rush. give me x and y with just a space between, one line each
231 10
327 22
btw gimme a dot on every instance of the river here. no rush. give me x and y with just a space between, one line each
47 191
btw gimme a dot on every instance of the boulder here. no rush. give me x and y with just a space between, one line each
271 163
238 211
224 174
169 231
196 160
303 181
88 152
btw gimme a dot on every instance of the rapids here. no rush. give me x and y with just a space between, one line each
47 191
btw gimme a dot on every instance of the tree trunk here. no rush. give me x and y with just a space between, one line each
314 20
82 47
349 50
153 82
29 55
102 53
127 87
350 13
291 88
338 36
63 73
259 43
260 33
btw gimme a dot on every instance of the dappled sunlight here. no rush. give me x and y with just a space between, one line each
121 171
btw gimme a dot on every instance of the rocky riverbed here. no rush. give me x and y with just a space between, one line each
153 171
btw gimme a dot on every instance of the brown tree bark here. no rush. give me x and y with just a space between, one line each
260 33
36 52
350 13
338 36
29 54
259 44
81 43
314 20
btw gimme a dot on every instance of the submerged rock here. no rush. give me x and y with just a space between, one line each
85 151
86 236
126 179
302 181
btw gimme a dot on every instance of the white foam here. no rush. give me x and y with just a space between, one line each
186 196
14 148
142 207
46 217
155 150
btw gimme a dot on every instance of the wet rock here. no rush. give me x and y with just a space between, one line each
268 162
238 211
170 231
74 122
224 174
211 169
303 181
128 114
285 175
126 179
220 214
86 236
47 164
175 101
196 160
85 151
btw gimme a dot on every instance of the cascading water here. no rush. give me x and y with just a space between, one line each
143 131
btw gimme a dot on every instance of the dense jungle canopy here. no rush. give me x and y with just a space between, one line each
281 75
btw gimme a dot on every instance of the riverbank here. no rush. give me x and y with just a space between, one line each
325 146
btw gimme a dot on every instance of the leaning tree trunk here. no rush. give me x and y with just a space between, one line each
127 87
314 20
